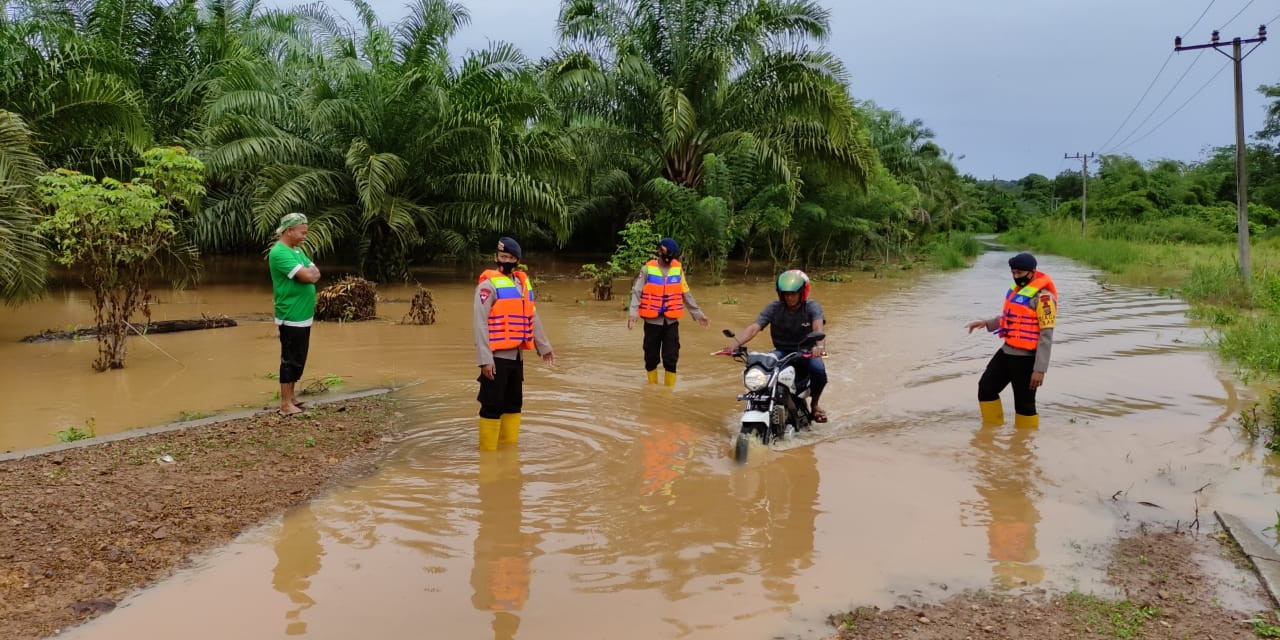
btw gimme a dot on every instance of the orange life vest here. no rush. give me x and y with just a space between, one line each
662 295
1019 324
511 317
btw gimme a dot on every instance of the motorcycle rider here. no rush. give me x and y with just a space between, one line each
790 318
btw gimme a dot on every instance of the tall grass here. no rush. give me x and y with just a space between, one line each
953 250
1247 318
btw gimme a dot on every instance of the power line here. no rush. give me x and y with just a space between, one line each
1237 15
1138 103
1180 107
1193 24
1273 20
1153 82
1162 100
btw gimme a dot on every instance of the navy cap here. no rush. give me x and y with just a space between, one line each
1023 262
510 246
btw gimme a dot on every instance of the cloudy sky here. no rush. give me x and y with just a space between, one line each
1009 86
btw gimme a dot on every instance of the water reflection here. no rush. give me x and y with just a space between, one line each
779 520
500 574
666 450
298 553
1006 473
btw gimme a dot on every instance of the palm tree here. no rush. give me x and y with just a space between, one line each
385 144
76 91
23 258
680 79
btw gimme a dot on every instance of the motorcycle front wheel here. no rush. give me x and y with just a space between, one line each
742 443
741 447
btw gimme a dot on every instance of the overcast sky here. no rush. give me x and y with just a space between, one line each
1009 86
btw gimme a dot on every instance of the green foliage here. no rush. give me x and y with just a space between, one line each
115 233
638 242
1063 238
322 385
1123 619
71 434
953 250
1264 627
22 257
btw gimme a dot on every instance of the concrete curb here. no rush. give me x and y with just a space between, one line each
178 426
1265 559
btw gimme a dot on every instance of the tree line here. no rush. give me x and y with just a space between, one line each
726 123
723 122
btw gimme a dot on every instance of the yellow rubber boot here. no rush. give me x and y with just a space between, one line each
992 412
509 428
668 378
489 434
653 376
1026 422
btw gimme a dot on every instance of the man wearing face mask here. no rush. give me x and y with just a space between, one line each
506 324
661 295
1026 324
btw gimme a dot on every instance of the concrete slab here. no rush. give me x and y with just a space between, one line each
175 426
1264 558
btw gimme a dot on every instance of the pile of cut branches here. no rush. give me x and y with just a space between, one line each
348 299
422 310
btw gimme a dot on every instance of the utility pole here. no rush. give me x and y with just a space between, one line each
1242 177
1084 183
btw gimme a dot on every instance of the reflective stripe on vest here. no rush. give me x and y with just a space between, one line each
662 295
511 317
1019 325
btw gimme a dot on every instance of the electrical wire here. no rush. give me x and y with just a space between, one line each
1153 81
1162 101
1193 24
1180 107
1237 15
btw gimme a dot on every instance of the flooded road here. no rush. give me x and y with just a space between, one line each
621 514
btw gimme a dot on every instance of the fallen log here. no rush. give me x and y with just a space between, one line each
159 326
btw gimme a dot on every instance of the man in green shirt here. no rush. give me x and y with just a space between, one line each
293 278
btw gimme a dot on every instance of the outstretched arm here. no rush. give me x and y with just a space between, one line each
752 330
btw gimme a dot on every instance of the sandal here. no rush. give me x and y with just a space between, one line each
819 415
289 415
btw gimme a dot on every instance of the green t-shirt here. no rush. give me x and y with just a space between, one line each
295 301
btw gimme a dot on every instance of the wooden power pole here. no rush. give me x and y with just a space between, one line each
1242 177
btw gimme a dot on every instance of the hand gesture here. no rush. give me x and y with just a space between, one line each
631 321
549 358
976 324
704 321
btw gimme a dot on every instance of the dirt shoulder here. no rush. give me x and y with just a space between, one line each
84 527
1168 593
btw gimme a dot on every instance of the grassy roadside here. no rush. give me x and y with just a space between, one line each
1245 319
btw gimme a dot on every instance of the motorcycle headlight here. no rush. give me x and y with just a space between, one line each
754 379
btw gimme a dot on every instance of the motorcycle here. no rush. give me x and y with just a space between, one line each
777 397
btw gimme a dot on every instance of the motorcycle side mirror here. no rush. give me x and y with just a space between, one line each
729 334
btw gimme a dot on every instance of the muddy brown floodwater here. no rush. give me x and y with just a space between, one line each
621 515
